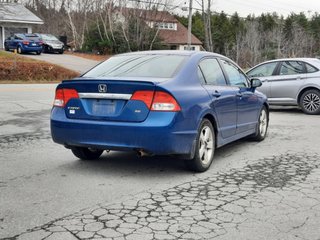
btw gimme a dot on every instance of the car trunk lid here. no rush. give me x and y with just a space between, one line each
107 100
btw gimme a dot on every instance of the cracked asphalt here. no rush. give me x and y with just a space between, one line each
275 198
268 190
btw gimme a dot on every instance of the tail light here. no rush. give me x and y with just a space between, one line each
157 101
25 42
163 101
40 42
63 96
144 96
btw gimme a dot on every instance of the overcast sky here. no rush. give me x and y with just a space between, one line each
256 7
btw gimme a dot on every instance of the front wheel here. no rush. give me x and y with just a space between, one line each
204 149
263 123
310 102
86 153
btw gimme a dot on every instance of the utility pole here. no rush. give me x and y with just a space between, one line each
189 25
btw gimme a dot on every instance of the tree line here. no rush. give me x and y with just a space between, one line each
91 26
251 40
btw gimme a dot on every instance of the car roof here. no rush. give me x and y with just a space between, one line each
190 53
26 34
304 59
291 59
46 34
173 52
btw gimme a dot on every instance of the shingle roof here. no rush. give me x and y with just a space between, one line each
13 12
178 37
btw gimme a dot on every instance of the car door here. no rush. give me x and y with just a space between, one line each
290 76
247 102
223 97
10 41
15 41
265 72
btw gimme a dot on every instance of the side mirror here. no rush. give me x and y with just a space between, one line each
255 82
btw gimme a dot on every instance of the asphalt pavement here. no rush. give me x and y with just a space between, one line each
266 190
72 62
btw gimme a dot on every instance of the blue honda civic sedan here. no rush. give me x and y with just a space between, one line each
24 43
183 103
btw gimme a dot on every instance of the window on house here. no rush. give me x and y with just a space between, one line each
165 25
193 48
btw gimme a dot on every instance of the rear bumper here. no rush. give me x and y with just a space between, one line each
161 133
31 49
50 48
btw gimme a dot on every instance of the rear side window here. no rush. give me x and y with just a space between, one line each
200 76
235 76
291 67
310 69
212 72
157 66
264 70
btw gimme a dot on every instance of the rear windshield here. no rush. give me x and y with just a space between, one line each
48 37
31 36
156 66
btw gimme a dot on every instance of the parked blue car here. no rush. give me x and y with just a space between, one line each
159 102
24 43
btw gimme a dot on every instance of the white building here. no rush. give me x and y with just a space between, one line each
15 18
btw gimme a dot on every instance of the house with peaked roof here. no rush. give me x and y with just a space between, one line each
172 33
15 18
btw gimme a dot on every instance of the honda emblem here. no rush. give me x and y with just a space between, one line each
102 88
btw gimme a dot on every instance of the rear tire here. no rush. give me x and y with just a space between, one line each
19 50
263 123
204 149
86 153
38 53
310 102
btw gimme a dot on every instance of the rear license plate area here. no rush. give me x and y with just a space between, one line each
104 107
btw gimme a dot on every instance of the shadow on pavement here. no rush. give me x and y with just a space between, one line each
128 163
286 109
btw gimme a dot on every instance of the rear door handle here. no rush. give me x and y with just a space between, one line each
216 94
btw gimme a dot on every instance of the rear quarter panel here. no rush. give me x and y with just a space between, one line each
193 99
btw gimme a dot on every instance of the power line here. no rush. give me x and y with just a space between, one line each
262 5
255 6
172 7
177 6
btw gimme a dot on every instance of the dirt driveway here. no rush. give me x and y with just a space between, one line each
75 63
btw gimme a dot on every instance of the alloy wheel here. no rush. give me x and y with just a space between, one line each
263 123
311 102
206 145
